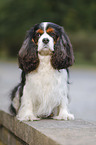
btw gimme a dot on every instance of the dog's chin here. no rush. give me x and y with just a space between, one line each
45 52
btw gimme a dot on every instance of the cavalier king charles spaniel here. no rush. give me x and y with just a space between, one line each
44 58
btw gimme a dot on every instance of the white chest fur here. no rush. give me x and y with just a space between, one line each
46 87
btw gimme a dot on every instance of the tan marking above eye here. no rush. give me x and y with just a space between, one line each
50 30
40 31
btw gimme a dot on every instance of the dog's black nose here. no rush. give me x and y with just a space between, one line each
45 40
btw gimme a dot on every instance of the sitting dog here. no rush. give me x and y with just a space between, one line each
44 58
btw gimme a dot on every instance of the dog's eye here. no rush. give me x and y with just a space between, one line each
38 35
52 34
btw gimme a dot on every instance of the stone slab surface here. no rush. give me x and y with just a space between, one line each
51 132
76 132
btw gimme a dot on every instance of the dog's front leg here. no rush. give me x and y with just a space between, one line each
25 112
63 111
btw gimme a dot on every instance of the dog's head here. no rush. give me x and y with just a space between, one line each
46 39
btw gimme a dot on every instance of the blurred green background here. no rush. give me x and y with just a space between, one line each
78 17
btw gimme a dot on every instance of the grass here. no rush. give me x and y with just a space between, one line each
9 59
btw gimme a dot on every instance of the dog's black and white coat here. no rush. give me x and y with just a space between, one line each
44 57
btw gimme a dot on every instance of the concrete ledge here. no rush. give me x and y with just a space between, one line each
47 131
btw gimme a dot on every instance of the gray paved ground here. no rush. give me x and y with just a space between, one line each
82 90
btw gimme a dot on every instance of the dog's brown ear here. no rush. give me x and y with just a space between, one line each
63 55
24 47
68 48
28 55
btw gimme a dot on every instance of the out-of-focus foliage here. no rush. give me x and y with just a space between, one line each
17 16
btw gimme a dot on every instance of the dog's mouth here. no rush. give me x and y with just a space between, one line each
45 52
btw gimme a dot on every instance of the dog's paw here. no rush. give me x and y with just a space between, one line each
27 118
66 116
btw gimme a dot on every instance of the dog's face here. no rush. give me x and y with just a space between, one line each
45 42
46 39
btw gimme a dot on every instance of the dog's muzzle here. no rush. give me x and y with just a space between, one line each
45 40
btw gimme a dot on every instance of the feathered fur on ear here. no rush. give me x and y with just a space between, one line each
28 56
63 55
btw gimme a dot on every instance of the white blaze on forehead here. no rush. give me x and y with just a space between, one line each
45 25
45 47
